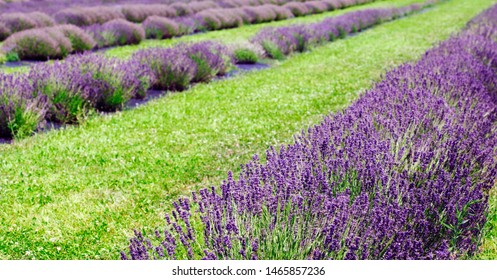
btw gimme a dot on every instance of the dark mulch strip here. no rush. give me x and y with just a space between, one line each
151 95
241 68
19 64
5 141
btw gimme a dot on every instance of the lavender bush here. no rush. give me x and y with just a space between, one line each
175 68
68 99
187 25
138 13
317 6
118 32
261 14
48 43
298 9
198 6
160 27
282 13
246 52
211 59
63 43
172 69
4 31
210 19
80 40
17 22
41 19
113 81
35 44
403 173
182 9
20 112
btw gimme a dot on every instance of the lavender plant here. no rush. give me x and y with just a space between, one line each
245 55
80 40
64 45
245 52
198 6
113 82
4 31
210 58
139 13
41 19
182 9
21 113
172 69
298 9
177 67
118 32
34 44
16 22
160 27
48 43
63 86
403 173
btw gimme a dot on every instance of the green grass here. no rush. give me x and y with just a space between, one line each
489 242
77 193
247 32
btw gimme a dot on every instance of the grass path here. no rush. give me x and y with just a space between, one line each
77 193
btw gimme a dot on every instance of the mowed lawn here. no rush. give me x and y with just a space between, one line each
78 193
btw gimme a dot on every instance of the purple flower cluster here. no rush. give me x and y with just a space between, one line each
117 32
15 22
140 12
80 40
282 41
21 112
4 31
160 27
48 42
176 68
403 173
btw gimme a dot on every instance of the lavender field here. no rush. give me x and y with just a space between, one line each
248 129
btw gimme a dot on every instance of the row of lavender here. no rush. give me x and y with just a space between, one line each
49 42
67 91
403 173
